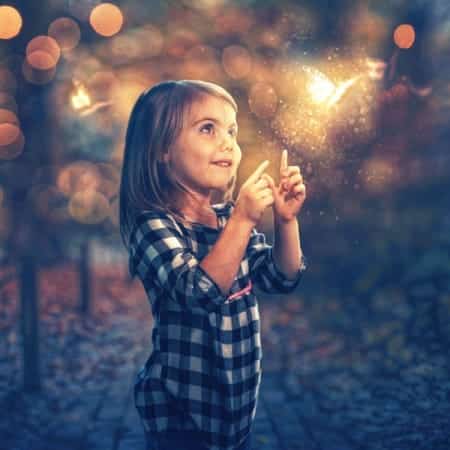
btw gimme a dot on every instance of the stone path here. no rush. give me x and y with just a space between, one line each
366 372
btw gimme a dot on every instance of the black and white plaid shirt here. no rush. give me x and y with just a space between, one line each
204 371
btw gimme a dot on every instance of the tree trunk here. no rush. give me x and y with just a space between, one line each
85 279
30 323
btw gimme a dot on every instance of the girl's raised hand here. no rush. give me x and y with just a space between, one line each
290 194
254 196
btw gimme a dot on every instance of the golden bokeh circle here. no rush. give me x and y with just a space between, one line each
12 141
66 33
10 22
404 36
44 44
106 19
236 61
263 100
40 60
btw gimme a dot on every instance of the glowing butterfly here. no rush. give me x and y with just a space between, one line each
80 99
323 90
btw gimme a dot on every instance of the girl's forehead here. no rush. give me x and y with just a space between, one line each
210 106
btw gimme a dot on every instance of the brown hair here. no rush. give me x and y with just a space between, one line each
155 123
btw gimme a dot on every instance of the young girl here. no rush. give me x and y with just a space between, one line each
199 261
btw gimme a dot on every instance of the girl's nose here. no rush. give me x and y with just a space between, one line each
227 142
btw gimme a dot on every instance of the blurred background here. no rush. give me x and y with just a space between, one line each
359 94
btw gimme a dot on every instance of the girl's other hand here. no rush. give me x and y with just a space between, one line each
290 194
254 196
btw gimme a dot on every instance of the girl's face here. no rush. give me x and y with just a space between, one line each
208 135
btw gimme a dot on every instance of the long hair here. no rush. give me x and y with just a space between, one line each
155 123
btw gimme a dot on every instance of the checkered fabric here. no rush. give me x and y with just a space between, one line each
204 370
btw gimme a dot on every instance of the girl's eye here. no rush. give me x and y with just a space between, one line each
209 127
233 132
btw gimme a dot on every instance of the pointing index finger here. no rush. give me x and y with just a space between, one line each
284 162
258 172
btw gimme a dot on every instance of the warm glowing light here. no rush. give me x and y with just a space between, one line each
11 141
323 90
10 22
66 32
78 176
375 68
320 88
404 36
40 60
341 90
263 100
109 179
236 61
8 133
44 44
106 19
7 116
378 174
89 206
80 99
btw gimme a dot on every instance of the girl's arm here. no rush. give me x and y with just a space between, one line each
160 257
287 252
223 261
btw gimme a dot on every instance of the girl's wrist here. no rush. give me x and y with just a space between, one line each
282 221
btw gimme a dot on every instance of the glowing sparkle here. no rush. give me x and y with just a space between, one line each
320 87
323 90
80 99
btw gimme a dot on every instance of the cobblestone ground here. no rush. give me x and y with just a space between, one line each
369 372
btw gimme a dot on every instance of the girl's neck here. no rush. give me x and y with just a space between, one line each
198 211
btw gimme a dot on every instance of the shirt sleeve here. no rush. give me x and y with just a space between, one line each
160 256
263 271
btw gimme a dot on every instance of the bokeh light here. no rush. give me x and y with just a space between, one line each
43 44
66 33
236 61
263 100
7 116
127 92
377 174
10 22
40 60
78 176
109 179
11 141
42 56
102 84
89 207
133 45
404 36
201 62
106 19
180 40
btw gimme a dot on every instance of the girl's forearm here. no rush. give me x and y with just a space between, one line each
287 250
224 259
